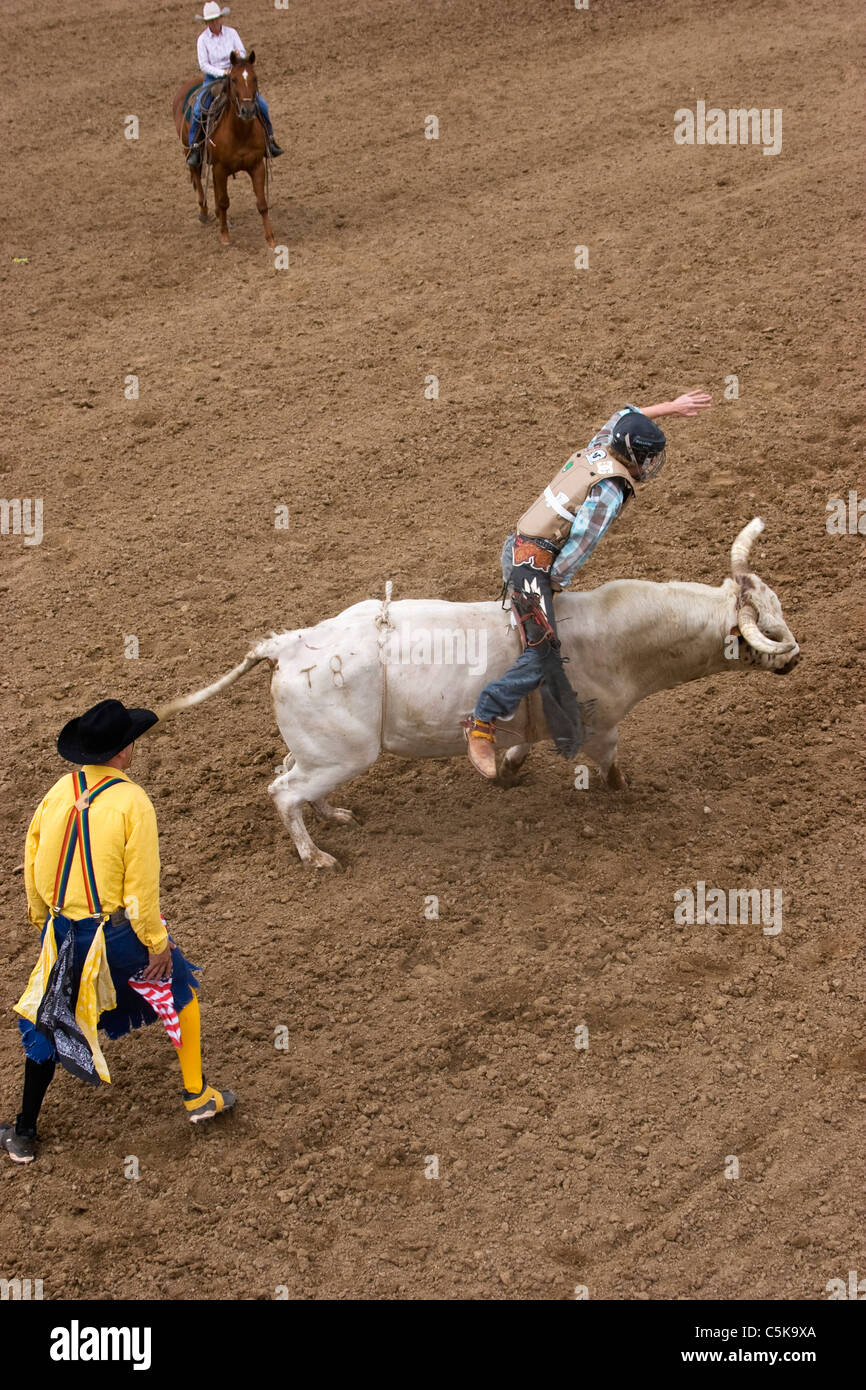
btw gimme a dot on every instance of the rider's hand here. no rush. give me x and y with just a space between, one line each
691 402
158 965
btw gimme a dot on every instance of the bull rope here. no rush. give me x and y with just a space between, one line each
385 626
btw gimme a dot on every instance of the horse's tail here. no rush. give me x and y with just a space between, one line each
197 697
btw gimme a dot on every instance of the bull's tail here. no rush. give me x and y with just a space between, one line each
187 701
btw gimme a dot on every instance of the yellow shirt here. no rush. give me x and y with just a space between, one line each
125 850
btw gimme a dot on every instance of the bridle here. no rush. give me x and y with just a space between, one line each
249 101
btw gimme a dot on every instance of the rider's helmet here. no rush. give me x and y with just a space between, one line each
638 443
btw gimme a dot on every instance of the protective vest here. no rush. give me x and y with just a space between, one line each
551 515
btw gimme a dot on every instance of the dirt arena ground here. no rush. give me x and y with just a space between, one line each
411 1038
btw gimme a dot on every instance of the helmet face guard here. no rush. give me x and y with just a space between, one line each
651 465
641 445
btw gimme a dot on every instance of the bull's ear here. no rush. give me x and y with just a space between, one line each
233 58
251 56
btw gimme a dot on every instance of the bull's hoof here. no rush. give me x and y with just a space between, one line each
334 815
321 860
615 780
509 776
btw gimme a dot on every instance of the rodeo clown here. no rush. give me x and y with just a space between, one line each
553 539
215 44
92 877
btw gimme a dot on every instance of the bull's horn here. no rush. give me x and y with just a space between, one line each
742 545
747 621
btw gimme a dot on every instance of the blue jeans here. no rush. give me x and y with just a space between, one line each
265 115
501 697
203 101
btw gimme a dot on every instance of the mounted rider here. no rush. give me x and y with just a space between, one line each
215 45
554 537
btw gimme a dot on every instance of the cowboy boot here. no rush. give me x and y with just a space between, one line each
274 149
481 745
193 159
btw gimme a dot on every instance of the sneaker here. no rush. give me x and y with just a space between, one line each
21 1148
207 1103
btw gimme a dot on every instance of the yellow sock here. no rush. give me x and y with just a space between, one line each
189 1052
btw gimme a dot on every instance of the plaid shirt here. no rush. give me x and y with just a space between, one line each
603 504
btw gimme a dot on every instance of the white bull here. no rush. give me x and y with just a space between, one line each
399 677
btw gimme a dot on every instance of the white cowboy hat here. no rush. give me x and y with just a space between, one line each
213 11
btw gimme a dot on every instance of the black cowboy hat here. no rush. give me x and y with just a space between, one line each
102 731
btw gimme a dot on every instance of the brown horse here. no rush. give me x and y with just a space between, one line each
237 143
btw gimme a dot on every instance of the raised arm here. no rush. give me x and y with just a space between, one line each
686 405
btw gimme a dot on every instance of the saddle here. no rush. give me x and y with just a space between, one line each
189 99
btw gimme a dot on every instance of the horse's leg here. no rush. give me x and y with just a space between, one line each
199 193
258 177
194 173
221 199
